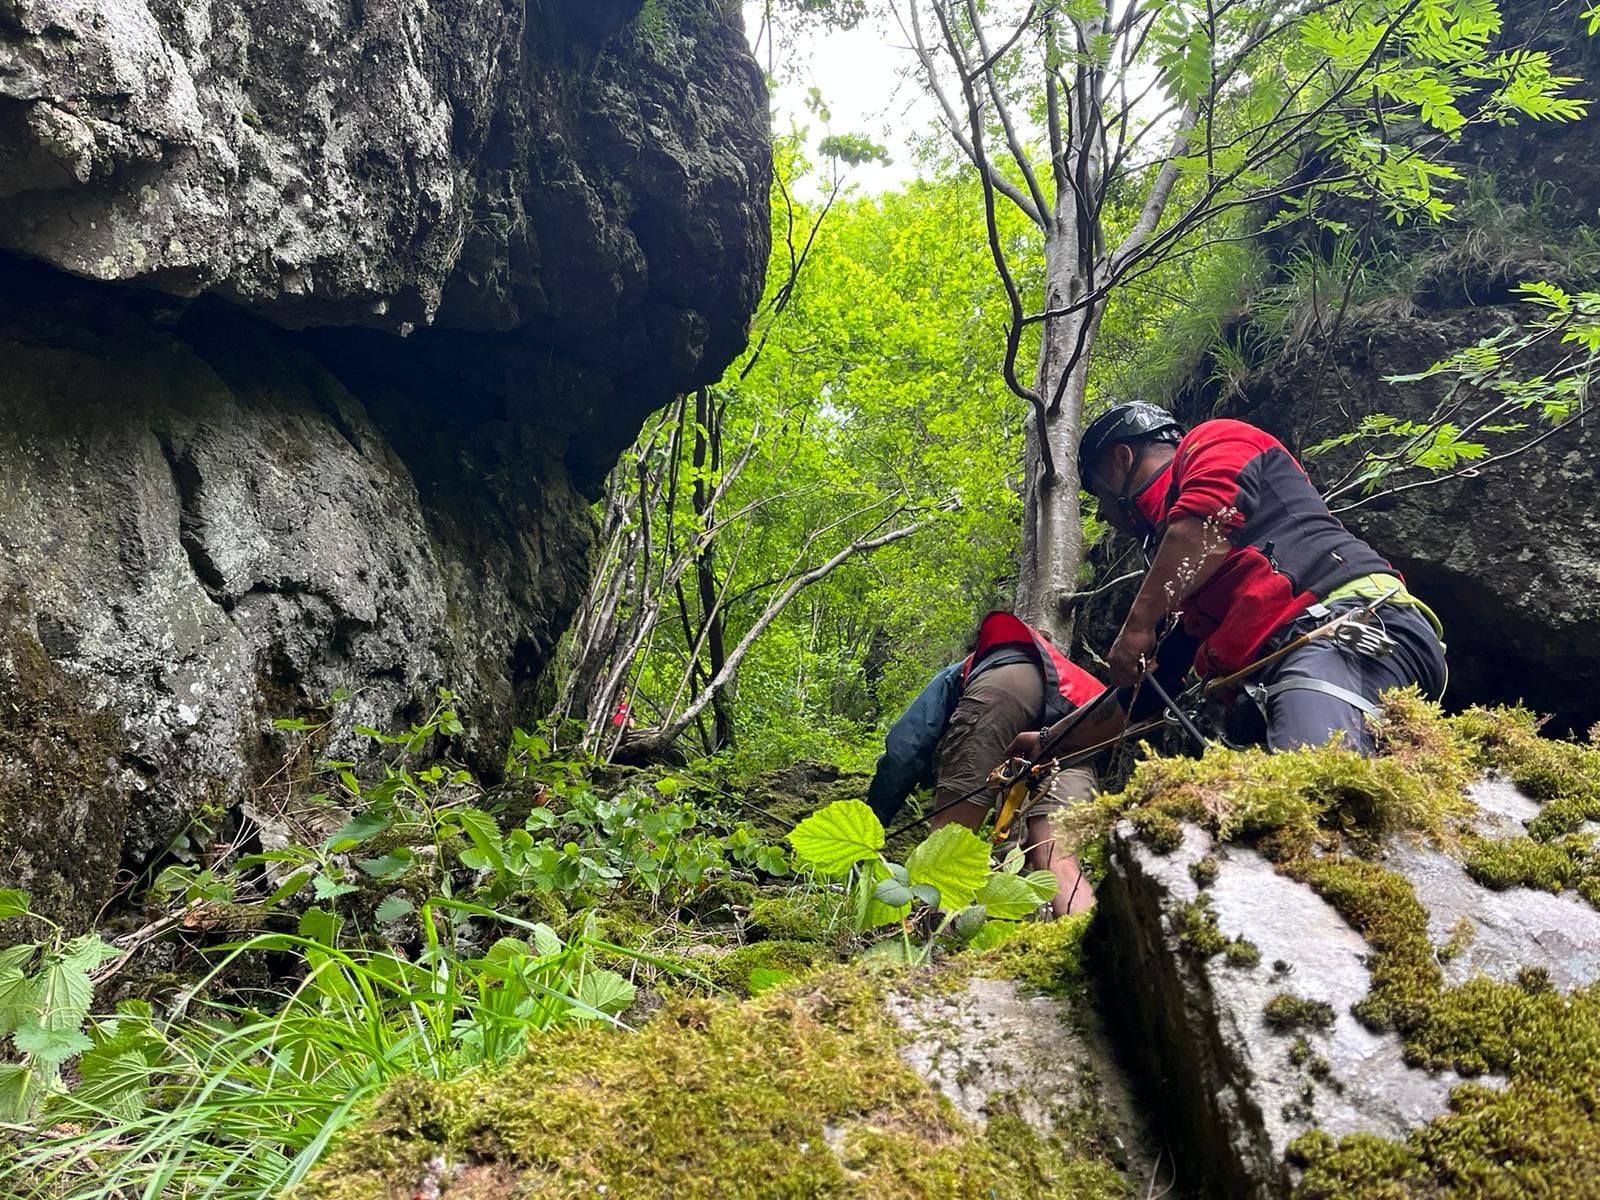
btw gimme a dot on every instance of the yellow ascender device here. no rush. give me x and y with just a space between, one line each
1020 783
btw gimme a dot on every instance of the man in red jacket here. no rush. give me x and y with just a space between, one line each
1246 557
957 728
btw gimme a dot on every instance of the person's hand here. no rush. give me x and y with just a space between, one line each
1024 745
1131 655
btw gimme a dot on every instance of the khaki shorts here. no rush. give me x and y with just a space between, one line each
996 706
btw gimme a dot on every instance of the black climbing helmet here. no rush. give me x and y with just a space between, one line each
1133 422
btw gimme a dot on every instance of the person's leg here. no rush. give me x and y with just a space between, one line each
1341 686
997 705
1071 786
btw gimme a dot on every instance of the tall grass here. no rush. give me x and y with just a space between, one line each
240 1102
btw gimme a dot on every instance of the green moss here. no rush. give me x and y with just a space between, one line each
1204 871
1242 953
1197 928
1287 1011
1521 862
799 1093
800 917
1316 813
733 969
1045 955
57 755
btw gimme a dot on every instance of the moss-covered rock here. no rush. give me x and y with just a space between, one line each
1390 848
799 1093
62 804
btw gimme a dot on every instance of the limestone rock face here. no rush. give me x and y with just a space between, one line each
319 326
1233 1090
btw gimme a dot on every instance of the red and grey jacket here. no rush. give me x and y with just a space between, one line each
1288 551
913 739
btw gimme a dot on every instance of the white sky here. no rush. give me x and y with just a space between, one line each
868 80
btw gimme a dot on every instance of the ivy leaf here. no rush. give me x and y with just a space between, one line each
954 860
837 837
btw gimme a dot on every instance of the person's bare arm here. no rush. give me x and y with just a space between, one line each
1191 552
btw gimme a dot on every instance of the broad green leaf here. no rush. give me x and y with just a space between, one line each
606 991
1008 897
321 926
971 919
14 1089
13 903
892 893
545 940
357 830
392 908
837 837
1044 884
484 834
49 1047
326 888
19 993
894 950
952 859
388 866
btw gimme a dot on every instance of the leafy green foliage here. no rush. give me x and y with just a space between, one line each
45 996
949 871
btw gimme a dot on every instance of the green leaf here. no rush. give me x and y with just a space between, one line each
484 834
764 979
1008 897
13 903
952 859
545 940
19 994
392 908
606 991
388 866
319 925
326 888
971 919
893 893
357 830
50 1047
14 1080
837 837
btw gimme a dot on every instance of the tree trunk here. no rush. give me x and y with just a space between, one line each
1052 521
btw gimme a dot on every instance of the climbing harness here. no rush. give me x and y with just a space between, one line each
1357 628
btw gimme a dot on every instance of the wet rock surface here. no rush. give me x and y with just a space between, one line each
319 327
1232 1089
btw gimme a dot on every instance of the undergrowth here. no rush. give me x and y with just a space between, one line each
1318 814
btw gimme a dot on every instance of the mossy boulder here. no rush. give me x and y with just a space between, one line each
1403 1029
63 797
805 1091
